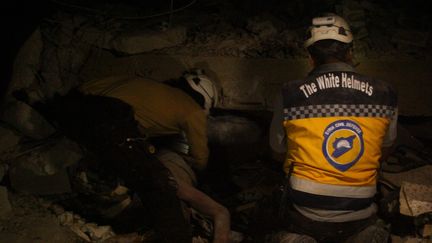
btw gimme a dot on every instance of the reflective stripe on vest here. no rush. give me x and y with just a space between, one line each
336 215
316 188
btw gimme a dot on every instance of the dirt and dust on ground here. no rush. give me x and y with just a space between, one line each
38 191
30 221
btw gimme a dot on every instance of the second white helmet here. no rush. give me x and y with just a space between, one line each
331 27
202 84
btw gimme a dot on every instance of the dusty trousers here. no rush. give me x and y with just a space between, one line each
268 219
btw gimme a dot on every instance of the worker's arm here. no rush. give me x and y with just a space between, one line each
195 129
204 204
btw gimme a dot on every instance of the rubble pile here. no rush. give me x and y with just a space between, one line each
9 139
53 58
29 221
5 207
87 231
381 29
232 29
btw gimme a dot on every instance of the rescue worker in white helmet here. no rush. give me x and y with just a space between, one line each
173 115
334 127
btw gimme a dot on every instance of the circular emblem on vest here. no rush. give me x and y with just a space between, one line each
343 144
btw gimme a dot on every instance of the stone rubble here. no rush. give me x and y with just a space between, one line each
141 42
41 168
415 199
89 232
25 181
5 207
8 139
51 157
26 120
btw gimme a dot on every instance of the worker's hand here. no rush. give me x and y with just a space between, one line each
206 205
221 225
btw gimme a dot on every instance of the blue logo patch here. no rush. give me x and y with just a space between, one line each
343 144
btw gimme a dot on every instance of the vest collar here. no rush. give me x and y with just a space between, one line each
332 67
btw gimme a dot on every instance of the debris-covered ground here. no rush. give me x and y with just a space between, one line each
45 196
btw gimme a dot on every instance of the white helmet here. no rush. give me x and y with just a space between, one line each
202 84
331 27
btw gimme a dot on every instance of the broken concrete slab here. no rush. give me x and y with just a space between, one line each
140 42
90 232
50 59
415 199
49 158
44 65
247 83
8 139
60 68
420 175
77 230
26 63
25 181
78 220
43 170
5 207
26 120
135 40
57 209
97 233
66 218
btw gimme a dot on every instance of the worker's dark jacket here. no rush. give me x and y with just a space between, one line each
336 121
107 128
